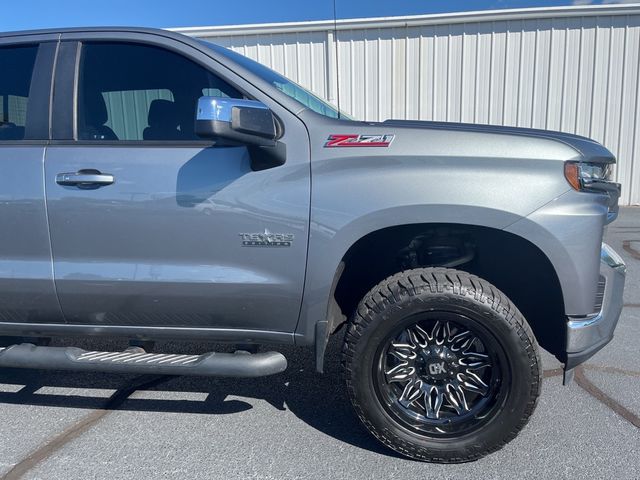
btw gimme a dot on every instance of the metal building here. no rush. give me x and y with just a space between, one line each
574 69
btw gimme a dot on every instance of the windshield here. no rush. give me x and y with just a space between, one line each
282 83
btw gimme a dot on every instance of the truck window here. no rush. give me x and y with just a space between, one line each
304 97
139 92
16 65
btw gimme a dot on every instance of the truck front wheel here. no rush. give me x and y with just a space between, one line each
441 366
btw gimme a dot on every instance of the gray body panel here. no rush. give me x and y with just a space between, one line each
569 231
161 246
27 291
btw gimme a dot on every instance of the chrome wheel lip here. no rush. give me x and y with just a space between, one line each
465 420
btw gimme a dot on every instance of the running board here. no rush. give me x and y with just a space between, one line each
239 364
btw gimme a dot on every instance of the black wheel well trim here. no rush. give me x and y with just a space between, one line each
334 319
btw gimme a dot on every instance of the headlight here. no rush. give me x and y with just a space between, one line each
582 175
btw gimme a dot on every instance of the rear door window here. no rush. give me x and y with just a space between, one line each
16 67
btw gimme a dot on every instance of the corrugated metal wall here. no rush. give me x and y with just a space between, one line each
570 69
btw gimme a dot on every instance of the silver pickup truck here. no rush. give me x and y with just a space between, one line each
154 186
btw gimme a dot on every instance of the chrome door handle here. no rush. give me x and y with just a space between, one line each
85 179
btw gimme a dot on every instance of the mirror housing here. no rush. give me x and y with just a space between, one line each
237 121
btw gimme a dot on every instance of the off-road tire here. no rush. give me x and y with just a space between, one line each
440 289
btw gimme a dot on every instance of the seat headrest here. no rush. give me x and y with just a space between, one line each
95 109
163 113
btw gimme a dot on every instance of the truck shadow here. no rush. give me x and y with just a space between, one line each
318 400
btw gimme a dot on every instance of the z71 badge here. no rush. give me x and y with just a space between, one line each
355 140
267 239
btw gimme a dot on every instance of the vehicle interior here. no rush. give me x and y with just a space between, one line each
14 91
140 92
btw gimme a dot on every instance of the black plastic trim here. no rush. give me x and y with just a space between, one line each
64 91
240 364
324 328
575 359
23 143
138 143
39 103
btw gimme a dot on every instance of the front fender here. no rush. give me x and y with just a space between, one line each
354 195
569 231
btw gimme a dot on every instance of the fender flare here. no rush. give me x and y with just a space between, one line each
319 313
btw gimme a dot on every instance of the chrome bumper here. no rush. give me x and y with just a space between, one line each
585 336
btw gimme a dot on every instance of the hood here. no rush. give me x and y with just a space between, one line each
590 150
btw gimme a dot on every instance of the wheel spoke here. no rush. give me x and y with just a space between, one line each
456 398
474 360
473 383
419 336
403 351
448 331
439 333
400 373
433 399
411 393
462 341
463 397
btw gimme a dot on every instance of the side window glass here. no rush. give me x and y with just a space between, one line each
140 92
16 65
128 111
213 92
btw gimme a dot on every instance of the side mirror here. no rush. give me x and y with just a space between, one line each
238 121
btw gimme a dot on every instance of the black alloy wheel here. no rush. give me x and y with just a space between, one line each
437 376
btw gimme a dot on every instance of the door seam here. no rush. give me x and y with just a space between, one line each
46 214
44 177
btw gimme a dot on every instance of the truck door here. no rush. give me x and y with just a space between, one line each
27 291
148 222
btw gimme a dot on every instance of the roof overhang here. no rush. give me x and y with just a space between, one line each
412 20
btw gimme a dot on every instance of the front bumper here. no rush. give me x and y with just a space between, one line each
587 335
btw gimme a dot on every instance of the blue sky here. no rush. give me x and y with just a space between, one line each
29 14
